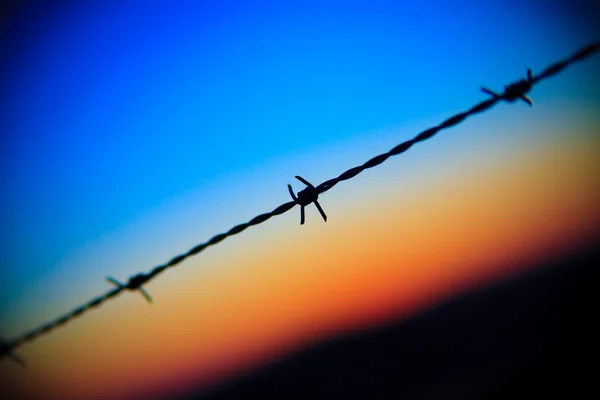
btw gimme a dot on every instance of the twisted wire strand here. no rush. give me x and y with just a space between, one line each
456 119
135 282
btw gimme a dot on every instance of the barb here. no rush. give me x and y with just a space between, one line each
305 197
512 92
515 91
135 283
7 350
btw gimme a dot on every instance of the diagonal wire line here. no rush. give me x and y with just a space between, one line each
511 93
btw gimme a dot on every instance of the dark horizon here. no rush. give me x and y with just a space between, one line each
529 336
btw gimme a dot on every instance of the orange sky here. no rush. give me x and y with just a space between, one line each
395 252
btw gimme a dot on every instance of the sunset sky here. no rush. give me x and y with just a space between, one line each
132 131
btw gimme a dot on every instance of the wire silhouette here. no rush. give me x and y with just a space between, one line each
512 92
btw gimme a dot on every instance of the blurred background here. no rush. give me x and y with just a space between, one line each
130 131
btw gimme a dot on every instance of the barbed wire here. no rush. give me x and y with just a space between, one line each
512 92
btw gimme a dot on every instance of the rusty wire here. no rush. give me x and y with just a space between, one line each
512 92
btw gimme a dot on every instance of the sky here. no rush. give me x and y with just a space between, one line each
132 131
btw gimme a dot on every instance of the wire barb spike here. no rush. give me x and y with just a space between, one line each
305 197
135 283
514 91
7 350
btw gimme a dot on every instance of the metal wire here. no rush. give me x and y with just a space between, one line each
511 93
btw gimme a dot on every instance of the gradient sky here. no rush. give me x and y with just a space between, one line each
131 131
